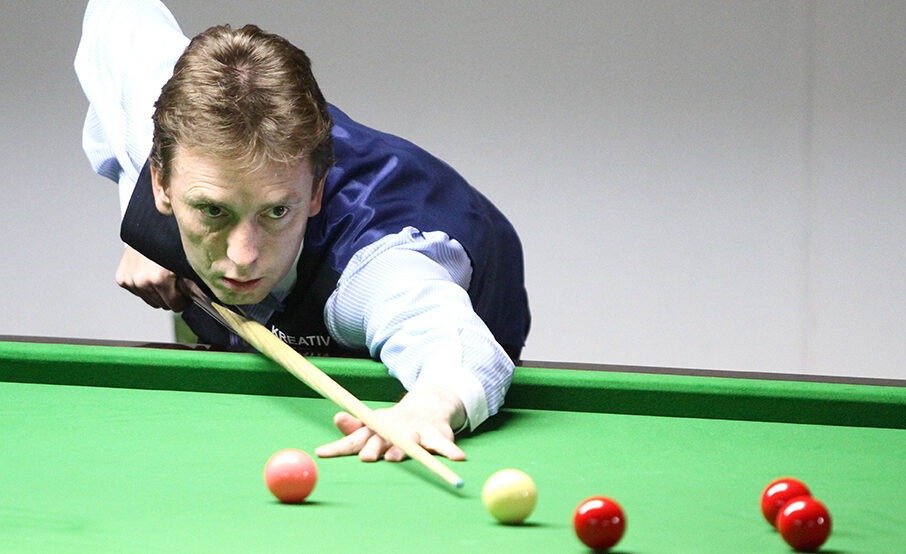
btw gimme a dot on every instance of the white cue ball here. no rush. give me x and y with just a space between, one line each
509 495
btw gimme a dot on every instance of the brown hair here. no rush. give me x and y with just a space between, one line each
246 96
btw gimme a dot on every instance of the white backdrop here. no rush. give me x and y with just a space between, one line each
698 184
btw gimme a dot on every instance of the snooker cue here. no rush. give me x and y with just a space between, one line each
265 342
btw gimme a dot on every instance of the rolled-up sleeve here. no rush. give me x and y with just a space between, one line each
126 54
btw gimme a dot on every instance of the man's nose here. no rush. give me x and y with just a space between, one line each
243 244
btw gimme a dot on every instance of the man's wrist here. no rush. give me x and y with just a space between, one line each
447 402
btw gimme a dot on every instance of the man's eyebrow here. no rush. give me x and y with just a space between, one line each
285 199
198 197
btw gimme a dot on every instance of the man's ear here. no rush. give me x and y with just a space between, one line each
161 193
317 194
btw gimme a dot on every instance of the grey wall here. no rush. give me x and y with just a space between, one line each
700 184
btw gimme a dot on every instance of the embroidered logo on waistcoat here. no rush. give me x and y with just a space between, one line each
309 340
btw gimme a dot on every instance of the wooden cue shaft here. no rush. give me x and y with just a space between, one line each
265 342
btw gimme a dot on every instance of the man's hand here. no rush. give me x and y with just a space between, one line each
154 284
427 414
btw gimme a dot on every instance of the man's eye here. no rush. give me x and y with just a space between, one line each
277 212
212 211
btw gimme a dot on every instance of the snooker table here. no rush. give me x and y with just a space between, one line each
131 448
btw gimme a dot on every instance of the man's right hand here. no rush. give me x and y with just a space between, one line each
154 284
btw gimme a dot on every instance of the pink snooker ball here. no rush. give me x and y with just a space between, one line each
290 475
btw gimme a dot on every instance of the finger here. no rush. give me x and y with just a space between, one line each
348 445
433 442
374 449
185 290
347 423
127 278
169 290
395 454
179 303
140 286
439 444
149 295
189 288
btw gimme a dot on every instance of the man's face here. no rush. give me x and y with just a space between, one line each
241 230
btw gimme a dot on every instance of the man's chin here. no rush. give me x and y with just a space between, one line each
239 298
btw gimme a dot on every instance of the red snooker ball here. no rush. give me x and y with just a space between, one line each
290 475
804 523
779 493
599 522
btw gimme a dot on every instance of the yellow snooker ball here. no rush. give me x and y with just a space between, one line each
509 495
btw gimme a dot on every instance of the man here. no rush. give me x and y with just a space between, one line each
239 178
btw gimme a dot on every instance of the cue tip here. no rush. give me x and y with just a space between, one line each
459 484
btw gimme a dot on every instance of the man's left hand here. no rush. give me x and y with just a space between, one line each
427 414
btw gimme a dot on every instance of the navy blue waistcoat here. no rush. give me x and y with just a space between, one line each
379 185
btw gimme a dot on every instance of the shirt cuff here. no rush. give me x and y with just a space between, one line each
464 385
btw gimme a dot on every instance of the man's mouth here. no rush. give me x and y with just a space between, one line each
240 286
